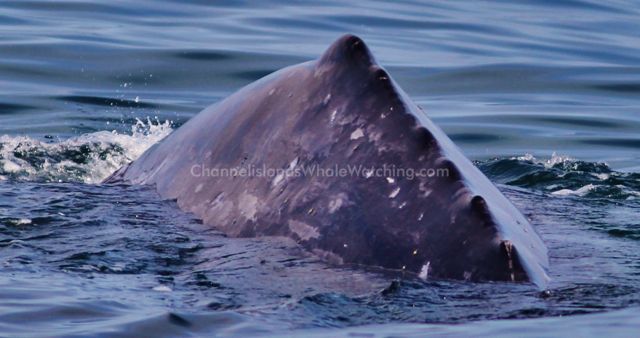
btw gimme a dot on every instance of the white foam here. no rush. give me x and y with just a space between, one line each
578 192
26 158
557 159
526 157
9 166
162 288
552 161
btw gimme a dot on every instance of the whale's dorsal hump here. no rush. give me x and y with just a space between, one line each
350 51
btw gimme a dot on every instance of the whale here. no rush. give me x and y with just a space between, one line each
335 155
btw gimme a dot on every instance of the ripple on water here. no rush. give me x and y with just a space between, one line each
502 78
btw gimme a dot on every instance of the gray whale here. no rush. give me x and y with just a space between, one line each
340 113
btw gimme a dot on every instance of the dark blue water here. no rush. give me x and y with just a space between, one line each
543 95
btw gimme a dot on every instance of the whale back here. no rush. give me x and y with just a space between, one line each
335 155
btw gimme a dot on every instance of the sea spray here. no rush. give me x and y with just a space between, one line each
88 158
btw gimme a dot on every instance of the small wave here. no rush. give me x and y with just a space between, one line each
88 158
564 176
554 160
580 191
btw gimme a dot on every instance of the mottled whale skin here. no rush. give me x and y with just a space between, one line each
343 110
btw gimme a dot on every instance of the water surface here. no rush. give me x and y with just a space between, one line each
544 96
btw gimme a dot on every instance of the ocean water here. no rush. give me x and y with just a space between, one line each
543 95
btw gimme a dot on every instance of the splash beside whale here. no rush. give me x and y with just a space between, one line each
343 112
